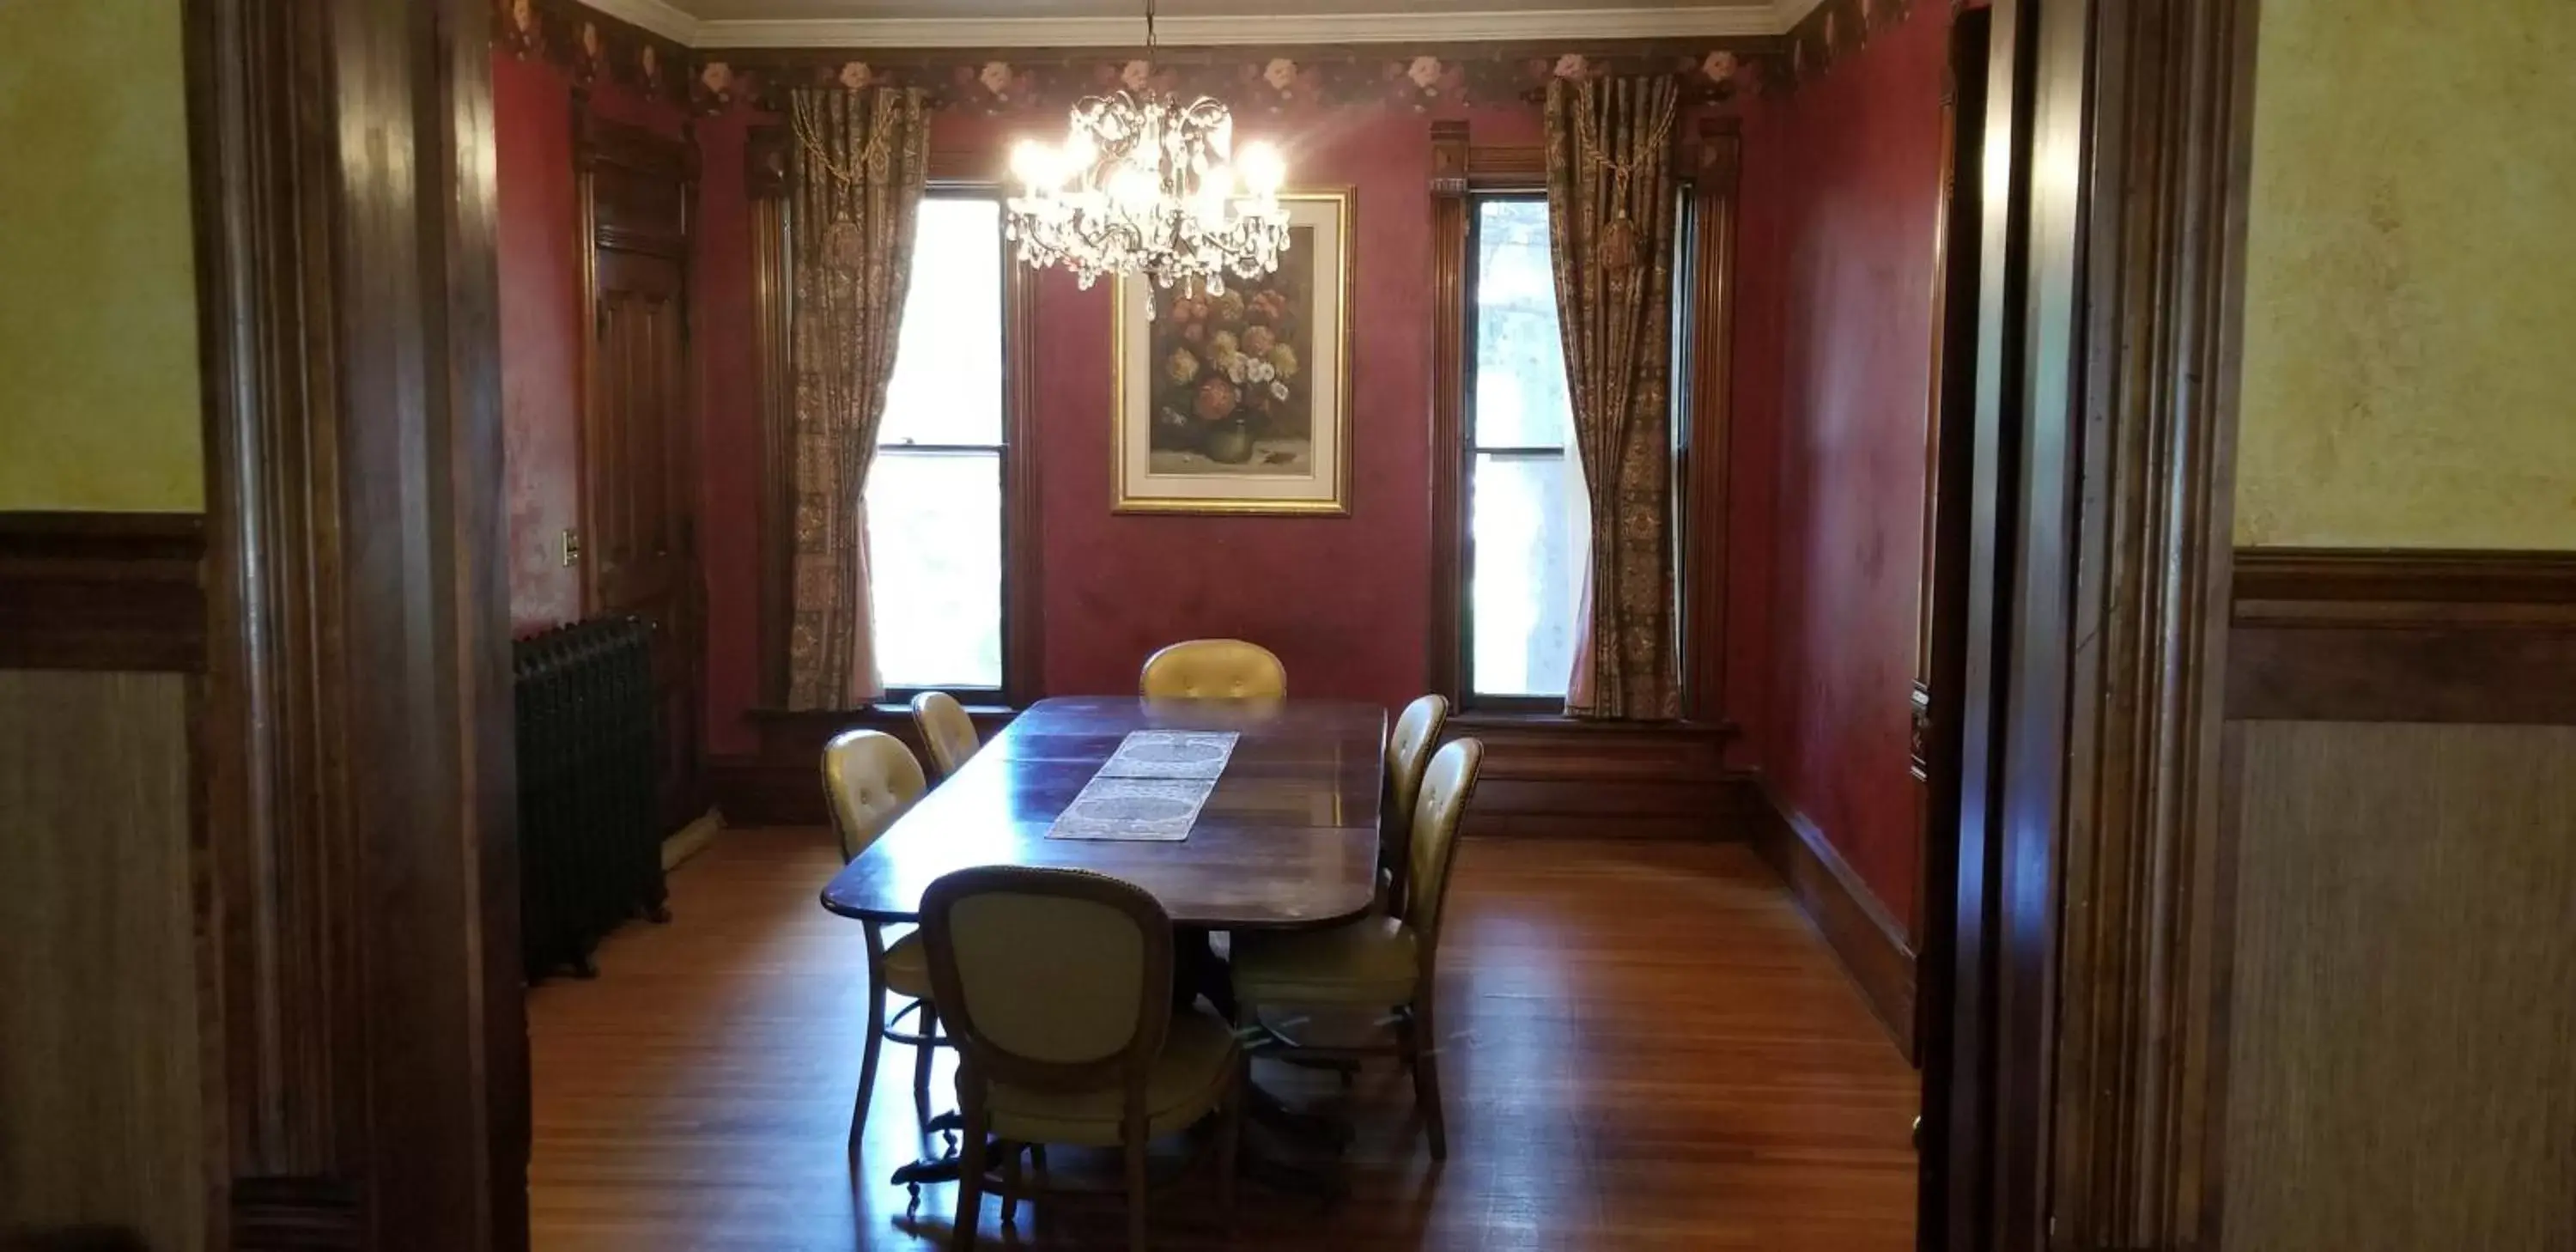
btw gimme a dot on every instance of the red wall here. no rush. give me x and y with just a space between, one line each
1860 149
538 246
540 334
1344 601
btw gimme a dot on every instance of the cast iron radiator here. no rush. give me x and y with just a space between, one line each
589 854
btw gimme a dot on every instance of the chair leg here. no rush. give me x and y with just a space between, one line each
875 1039
1010 1183
1136 1140
970 1181
1424 1056
1229 1141
921 1058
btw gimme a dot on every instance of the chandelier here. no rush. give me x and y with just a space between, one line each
1146 184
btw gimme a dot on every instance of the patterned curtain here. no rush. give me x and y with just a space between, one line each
1611 205
856 174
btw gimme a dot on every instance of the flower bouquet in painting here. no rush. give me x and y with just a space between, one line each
1231 392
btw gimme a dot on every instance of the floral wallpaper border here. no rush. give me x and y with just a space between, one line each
1283 81
593 47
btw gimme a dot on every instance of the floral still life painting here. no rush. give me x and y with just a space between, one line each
1238 401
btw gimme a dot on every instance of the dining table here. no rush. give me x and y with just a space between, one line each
1286 839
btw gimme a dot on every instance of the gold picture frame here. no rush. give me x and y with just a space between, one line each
1241 403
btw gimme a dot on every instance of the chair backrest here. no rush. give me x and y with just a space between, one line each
871 778
1214 669
1050 979
1445 788
945 730
1408 754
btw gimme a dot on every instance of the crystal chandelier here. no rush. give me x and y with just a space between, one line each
1146 184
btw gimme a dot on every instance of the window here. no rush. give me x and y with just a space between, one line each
1528 519
934 493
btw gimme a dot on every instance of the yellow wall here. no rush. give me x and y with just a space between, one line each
98 331
2410 312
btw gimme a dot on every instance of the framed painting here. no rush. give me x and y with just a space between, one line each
1241 402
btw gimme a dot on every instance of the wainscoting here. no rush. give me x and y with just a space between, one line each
2396 788
103 1090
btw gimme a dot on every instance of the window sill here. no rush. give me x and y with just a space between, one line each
1558 722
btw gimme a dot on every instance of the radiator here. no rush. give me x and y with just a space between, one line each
589 854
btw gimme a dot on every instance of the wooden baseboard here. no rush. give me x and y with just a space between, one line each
1870 944
1559 778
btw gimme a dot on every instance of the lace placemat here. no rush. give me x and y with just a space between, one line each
1170 754
1156 810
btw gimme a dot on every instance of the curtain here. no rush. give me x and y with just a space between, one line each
1611 204
855 175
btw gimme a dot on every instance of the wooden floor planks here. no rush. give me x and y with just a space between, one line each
1648 1048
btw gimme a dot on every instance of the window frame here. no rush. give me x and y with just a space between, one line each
953 174
1709 160
1004 452
1467 697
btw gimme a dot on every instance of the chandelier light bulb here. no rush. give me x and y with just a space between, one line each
1263 171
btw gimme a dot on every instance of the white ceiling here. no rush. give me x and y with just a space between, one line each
1119 23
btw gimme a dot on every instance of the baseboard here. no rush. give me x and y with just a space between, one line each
1560 778
692 839
1870 944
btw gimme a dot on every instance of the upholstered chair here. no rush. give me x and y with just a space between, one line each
871 778
945 730
1408 755
1383 961
1214 669
1056 987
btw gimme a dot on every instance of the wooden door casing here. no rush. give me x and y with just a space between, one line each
639 523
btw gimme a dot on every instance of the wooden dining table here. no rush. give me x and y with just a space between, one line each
1286 841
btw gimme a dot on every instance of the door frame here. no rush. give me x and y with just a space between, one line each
358 871
2081 1062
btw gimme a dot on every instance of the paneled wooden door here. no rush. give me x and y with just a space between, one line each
639 520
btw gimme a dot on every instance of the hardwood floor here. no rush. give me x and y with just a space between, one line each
1648 1048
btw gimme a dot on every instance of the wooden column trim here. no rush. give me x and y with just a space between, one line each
1023 570
1717 162
2142 959
1449 242
773 387
360 899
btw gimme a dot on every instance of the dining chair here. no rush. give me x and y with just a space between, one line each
1056 987
1214 669
945 730
1408 755
871 778
1382 961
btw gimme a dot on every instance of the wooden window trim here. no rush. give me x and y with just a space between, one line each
1712 160
765 179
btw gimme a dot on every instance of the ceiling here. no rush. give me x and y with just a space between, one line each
1119 23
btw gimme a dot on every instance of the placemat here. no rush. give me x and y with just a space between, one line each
1155 810
1170 754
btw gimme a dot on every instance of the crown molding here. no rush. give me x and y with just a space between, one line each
657 16
1786 14
1537 25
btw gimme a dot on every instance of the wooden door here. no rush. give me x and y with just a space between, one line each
639 523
